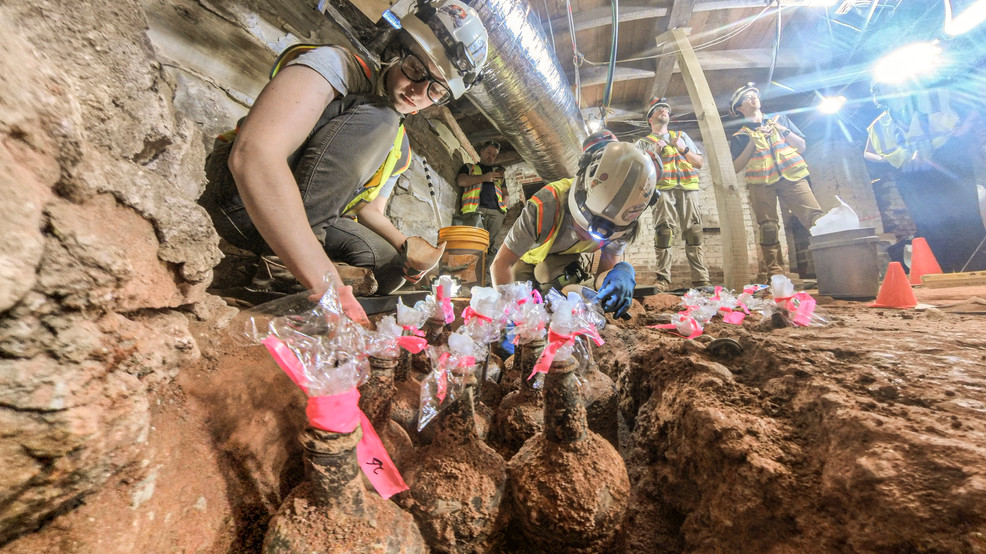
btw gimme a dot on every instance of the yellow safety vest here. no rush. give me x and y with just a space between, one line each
772 159
470 195
941 120
537 254
678 171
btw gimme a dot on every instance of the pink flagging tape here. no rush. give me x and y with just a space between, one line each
692 324
470 313
339 413
555 342
414 330
412 344
445 302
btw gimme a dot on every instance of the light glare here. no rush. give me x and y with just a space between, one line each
831 104
908 62
965 21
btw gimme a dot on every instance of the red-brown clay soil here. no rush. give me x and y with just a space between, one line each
865 435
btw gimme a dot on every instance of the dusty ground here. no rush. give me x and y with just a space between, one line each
868 434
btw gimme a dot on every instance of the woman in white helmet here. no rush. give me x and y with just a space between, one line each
564 223
320 145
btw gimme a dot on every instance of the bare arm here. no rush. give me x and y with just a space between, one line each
502 268
373 216
279 122
739 163
870 154
606 262
793 139
469 180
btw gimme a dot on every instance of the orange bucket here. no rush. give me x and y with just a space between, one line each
465 254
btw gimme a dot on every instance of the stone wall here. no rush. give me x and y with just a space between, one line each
105 252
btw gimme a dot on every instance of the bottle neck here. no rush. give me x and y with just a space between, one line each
378 391
333 469
458 421
564 412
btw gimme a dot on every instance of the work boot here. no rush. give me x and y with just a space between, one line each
360 278
418 257
660 285
273 276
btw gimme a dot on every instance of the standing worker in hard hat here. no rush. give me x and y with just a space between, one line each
321 142
677 209
923 137
564 223
484 193
769 149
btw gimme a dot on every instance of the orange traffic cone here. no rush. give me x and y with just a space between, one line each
923 261
895 292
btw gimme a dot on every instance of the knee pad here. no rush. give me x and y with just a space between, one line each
663 237
693 235
769 233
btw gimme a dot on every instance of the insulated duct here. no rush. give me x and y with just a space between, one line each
524 92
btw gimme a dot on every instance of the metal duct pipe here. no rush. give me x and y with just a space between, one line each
524 92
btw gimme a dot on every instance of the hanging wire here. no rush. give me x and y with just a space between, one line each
615 37
577 57
703 46
777 46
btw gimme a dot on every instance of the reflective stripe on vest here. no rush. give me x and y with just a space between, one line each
772 159
537 254
941 120
678 171
371 189
470 195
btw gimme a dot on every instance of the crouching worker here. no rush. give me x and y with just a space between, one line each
563 224
304 178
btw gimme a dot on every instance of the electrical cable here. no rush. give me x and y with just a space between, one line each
614 38
577 57
547 16
777 46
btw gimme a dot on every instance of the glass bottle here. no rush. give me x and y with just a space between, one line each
568 485
376 396
599 394
457 483
520 415
330 511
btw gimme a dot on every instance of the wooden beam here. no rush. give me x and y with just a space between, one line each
709 60
599 17
681 12
729 201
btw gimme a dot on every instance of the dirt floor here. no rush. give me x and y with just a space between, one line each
867 434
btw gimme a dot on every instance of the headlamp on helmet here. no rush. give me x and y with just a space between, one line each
454 39
656 103
737 98
617 185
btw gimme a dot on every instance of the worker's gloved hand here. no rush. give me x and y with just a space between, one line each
616 294
507 344
418 257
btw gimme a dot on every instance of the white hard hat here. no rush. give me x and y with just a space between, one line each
454 39
617 185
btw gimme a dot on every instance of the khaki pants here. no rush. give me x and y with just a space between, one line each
677 210
794 196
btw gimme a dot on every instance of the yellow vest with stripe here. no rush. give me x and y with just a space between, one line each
941 121
470 195
772 159
678 171
371 189
537 254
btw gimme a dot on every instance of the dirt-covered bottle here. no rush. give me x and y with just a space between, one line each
457 483
599 395
520 415
568 485
330 511
376 396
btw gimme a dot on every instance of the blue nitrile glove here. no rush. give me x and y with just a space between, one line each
508 340
616 293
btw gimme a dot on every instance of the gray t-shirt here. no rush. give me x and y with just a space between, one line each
523 235
339 68
648 146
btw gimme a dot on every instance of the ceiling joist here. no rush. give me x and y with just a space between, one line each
711 60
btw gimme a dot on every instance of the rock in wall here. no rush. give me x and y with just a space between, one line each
103 249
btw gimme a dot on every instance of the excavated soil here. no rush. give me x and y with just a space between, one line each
866 435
